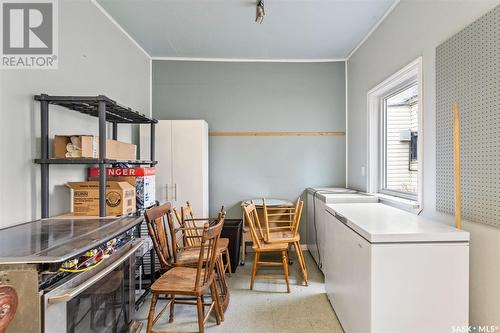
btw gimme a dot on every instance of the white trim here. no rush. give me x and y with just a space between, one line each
387 12
150 87
119 27
373 132
246 59
346 128
406 204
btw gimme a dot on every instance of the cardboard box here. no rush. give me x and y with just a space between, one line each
120 198
143 179
89 147
117 150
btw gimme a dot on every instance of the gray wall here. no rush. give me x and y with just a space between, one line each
416 28
94 58
259 97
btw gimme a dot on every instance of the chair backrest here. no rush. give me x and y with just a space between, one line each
186 219
208 253
293 214
297 216
177 235
155 220
252 220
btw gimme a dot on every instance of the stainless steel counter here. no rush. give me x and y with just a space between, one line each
55 240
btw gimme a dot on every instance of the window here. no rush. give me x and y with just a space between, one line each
395 135
399 133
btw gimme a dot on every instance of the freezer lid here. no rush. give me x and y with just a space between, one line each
55 240
348 198
379 223
329 190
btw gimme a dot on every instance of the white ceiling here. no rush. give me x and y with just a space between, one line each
292 29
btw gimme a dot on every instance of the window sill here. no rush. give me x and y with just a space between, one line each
406 204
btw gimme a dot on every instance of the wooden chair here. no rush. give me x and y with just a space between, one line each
155 220
288 234
260 247
186 219
186 255
192 281
171 252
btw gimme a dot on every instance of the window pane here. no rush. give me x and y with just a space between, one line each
400 140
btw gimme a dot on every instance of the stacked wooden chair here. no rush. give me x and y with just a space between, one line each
188 270
185 217
277 232
260 247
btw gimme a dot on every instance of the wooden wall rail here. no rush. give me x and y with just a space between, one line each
276 134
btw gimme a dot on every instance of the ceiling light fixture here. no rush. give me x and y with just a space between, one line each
259 18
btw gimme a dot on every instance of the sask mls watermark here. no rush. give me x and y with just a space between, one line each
29 37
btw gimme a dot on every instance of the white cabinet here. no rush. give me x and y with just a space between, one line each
392 271
181 149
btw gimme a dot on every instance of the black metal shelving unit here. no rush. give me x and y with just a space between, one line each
107 110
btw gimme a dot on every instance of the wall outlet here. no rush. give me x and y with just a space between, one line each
363 171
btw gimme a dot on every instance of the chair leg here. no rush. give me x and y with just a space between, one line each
203 302
201 324
172 309
151 316
228 259
222 271
243 252
303 262
300 258
219 301
254 269
215 300
285 269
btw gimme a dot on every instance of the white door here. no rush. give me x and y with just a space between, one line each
163 154
190 164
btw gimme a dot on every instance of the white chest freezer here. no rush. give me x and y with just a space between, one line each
317 198
392 271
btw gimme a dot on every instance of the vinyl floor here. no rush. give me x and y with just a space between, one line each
266 309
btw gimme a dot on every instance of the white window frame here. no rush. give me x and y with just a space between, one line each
375 110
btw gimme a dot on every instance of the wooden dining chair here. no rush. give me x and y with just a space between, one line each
186 255
156 219
168 244
192 281
260 247
285 234
186 218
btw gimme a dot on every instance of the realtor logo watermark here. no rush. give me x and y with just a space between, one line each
29 34
474 329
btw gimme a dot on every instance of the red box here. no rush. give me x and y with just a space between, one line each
143 179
